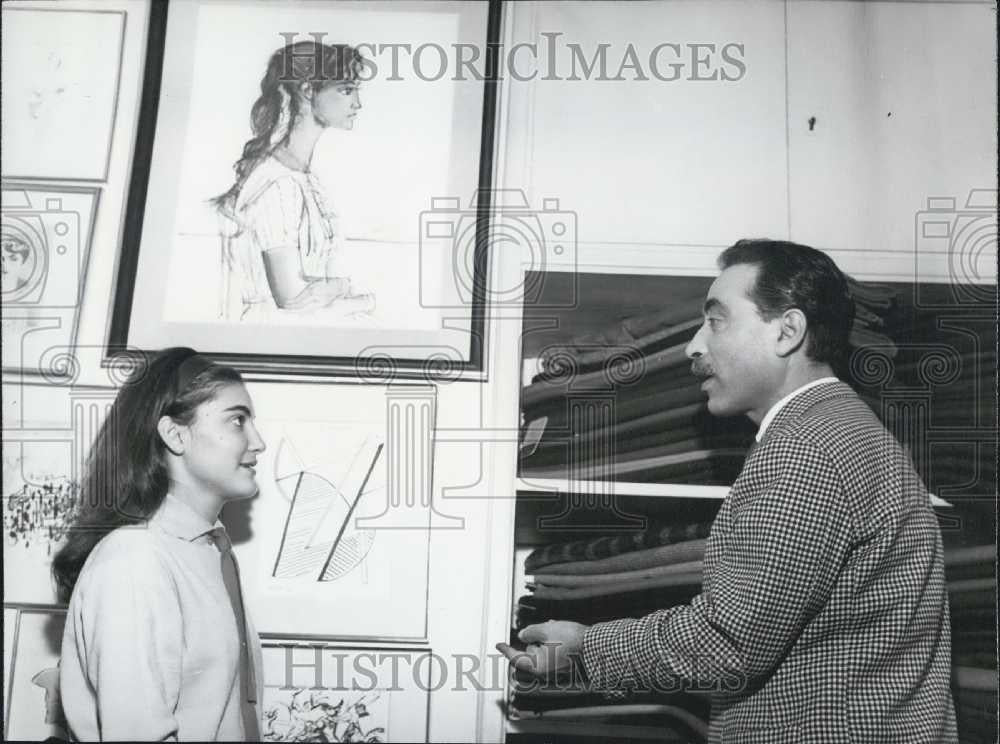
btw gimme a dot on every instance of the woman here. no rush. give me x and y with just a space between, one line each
154 646
280 237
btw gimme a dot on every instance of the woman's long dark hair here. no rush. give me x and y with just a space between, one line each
289 67
125 478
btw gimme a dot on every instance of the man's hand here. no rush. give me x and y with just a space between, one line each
553 647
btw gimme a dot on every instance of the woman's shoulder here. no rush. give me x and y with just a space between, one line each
126 571
125 549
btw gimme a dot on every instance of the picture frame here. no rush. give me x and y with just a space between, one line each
10 615
60 108
40 495
47 235
336 544
331 692
33 708
398 289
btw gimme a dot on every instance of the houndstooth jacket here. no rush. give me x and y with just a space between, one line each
823 615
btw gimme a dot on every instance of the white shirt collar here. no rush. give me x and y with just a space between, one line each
180 520
773 411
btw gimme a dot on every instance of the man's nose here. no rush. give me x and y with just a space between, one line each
695 347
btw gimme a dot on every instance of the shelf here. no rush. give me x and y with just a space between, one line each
553 486
595 731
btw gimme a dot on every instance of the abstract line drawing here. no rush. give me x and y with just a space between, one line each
39 501
319 538
313 567
322 716
330 692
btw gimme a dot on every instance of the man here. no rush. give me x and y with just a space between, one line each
823 615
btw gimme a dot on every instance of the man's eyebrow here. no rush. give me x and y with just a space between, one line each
240 407
713 304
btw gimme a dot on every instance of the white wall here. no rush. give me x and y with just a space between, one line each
904 100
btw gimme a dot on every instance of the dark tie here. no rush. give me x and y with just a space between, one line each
248 685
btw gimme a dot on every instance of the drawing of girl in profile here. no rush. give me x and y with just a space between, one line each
281 239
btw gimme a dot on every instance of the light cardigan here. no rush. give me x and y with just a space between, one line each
150 650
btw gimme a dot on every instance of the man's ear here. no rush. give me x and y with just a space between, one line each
306 91
792 330
171 434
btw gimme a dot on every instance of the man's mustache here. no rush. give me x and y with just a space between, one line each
701 369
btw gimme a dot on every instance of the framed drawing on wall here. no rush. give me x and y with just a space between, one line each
324 211
319 692
47 232
9 635
39 501
336 544
61 68
33 709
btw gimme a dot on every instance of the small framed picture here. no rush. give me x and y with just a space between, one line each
40 496
34 711
61 68
323 692
337 542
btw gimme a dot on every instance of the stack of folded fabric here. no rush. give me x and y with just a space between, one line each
873 304
963 396
975 694
918 354
607 578
684 712
532 610
621 404
971 577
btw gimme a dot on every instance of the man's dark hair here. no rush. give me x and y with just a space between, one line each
791 275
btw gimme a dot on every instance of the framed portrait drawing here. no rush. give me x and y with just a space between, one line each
310 189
